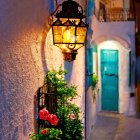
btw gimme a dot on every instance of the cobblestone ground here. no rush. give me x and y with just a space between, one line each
112 126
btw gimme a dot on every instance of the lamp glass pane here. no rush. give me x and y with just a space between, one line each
81 34
76 21
57 33
64 34
68 34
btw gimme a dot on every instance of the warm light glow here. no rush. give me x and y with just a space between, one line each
64 34
64 47
110 44
57 31
76 21
69 29
68 34
78 46
81 34
71 46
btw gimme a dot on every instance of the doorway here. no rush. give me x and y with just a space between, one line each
109 78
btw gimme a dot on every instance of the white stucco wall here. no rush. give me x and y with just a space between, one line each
123 33
92 106
26 53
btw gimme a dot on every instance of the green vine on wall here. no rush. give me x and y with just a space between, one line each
94 78
67 112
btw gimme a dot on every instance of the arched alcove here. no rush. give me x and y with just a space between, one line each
124 71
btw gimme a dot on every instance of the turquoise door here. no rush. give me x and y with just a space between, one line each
109 78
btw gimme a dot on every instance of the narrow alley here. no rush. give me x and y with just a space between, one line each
112 126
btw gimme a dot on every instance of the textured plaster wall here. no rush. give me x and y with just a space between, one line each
23 59
26 53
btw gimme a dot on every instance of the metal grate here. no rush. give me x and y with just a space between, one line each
46 98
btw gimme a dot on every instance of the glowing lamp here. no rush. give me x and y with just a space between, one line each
69 29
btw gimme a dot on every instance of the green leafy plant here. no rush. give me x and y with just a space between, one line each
47 133
69 126
94 80
68 113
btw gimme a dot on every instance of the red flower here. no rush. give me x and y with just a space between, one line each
53 119
44 131
44 114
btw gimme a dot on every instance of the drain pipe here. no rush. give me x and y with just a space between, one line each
90 8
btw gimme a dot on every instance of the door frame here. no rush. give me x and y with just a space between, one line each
123 65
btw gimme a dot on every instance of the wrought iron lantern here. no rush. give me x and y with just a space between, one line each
69 29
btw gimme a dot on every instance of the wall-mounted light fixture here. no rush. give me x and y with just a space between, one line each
68 28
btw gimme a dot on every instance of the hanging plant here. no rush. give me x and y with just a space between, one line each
94 80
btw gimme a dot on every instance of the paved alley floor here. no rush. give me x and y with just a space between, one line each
112 126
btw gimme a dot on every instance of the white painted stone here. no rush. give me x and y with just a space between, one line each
122 34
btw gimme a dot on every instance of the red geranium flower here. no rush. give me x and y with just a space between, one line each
44 131
53 119
44 114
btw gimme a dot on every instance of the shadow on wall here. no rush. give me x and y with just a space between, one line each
69 67
43 55
23 19
46 29
138 87
137 71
